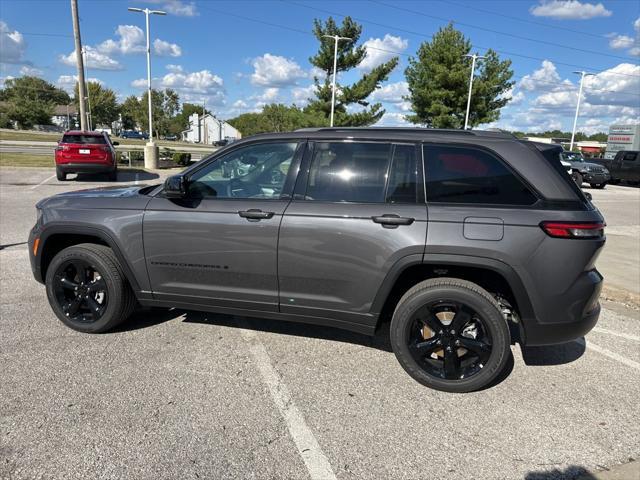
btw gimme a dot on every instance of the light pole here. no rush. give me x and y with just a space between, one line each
336 39
473 57
150 150
575 119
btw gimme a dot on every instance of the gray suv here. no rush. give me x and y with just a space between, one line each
466 241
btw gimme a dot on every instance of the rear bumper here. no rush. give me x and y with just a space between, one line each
86 167
582 309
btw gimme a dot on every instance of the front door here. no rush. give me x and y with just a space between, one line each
218 246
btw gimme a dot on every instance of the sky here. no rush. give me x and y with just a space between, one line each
238 55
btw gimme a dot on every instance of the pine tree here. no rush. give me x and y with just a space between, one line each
439 82
350 55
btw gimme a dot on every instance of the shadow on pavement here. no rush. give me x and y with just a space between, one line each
573 472
124 175
554 354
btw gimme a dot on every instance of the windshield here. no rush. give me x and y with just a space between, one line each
572 157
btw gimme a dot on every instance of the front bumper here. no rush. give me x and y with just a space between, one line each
34 256
591 177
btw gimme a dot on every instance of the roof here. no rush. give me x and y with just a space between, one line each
83 132
62 110
410 130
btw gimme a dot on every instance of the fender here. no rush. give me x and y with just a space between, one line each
93 230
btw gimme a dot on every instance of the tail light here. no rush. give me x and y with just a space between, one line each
574 229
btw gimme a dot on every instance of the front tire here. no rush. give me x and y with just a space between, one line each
577 177
450 335
87 289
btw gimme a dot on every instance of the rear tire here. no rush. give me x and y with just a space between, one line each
478 350
113 176
87 288
60 175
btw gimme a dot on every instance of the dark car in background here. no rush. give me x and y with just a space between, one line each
625 166
86 152
594 174
134 134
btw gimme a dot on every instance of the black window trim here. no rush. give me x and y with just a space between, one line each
534 206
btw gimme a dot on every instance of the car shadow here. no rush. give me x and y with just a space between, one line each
572 472
554 354
124 176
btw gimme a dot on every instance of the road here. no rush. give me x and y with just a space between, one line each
177 394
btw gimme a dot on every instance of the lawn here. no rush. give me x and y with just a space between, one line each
11 159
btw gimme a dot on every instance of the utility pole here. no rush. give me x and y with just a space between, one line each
474 58
575 119
336 39
88 97
80 63
204 123
150 149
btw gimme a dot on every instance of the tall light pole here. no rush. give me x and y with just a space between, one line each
336 39
474 58
575 119
150 150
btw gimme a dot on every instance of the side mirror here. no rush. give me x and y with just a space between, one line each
116 143
175 187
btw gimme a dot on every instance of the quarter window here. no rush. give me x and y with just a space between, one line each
403 175
470 175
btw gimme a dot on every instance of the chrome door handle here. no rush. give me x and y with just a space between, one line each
255 214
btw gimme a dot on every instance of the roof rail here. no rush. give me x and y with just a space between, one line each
419 130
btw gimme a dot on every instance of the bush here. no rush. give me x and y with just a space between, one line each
181 158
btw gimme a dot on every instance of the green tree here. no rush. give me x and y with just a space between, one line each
438 79
350 55
164 104
130 111
276 117
102 103
30 101
180 121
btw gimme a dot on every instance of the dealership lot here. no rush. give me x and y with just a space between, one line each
191 395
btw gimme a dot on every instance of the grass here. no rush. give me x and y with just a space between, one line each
27 135
11 159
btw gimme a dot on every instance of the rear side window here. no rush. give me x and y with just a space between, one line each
403 175
84 139
471 175
348 172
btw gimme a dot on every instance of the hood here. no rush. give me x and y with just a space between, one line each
118 191
586 165
124 196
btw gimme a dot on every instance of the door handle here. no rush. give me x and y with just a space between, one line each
255 214
390 220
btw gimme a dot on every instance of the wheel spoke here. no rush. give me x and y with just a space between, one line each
426 347
71 307
460 320
451 364
94 307
478 347
432 322
66 283
97 286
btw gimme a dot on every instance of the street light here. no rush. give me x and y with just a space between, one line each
336 39
150 150
473 57
575 120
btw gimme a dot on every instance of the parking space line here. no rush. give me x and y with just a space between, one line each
42 182
314 459
617 334
608 353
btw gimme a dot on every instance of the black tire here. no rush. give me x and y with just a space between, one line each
117 301
577 177
599 186
60 175
113 176
442 291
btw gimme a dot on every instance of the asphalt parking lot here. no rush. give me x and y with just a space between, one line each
176 394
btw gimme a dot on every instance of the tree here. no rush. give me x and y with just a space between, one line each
164 105
102 102
276 117
31 100
130 111
438 81
350 55
180 121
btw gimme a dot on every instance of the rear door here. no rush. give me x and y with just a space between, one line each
358 209
219 245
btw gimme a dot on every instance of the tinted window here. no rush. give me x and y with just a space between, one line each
629 156
348 172
470 175
256 171
403 175
84 139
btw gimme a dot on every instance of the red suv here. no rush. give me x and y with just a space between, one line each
86 152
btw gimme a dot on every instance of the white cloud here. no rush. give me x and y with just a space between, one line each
619 85
166 49
68 82
392 119
391 92
275 71
569 10
93 59
131 39
546 78
194 86
12 45
174 68
301 95
240 104
619 42
27 70
179 8
381 50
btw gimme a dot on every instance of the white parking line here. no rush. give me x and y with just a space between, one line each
617 334
315 460
42 182
137 178
608 353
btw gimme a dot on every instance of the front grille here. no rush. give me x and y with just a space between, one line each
597 169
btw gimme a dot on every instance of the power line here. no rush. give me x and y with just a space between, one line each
410 32
529 39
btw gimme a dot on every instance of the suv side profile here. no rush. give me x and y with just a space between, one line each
467 241
86 152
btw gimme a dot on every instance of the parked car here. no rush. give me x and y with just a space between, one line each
466 241
582 171
86 152
221 143
624 166
171 138
134 134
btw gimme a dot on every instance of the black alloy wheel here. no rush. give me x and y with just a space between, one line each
80 291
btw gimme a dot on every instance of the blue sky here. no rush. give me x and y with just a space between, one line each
238 55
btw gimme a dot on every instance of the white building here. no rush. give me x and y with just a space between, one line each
208 129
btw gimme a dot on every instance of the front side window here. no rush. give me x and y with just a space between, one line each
471 175
629 156
255 171
348 172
